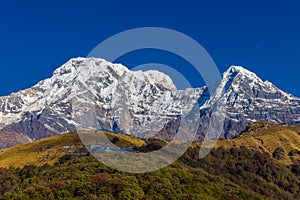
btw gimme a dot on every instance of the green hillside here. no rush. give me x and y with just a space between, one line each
49 150
240 168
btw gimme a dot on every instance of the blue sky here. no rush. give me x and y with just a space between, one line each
36 37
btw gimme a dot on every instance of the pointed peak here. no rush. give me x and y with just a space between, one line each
239 69
234 70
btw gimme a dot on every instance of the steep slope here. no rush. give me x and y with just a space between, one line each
93 93
246 99
123 100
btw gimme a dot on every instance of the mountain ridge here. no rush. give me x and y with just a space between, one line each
139 102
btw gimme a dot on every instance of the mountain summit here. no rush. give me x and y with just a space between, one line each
139 103
122 100
248 99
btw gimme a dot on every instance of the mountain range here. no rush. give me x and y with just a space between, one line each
94 93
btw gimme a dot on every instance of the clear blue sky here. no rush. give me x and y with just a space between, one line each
36 37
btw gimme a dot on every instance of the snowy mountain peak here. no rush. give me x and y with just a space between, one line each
90 65
47 107
238 69
236 76
233 71
97 67
139 102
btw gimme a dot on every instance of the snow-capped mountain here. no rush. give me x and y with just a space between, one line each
247 98
134 102
94 93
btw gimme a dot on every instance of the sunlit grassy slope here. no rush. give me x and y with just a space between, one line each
49 150
239 168
39 152
261 136
268 137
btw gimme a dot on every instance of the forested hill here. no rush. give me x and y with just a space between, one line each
251 166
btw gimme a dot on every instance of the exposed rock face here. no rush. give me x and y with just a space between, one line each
247 99
9 139
93 93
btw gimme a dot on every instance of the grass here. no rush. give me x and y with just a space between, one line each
39 152
260 136
49 150
268 137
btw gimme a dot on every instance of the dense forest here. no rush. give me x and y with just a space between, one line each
234 173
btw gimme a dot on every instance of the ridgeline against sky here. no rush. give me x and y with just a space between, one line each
37 37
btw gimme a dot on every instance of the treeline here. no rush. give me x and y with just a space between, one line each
236 173
250 169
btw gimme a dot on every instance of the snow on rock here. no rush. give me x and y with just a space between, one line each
93 83
94 93
246 98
